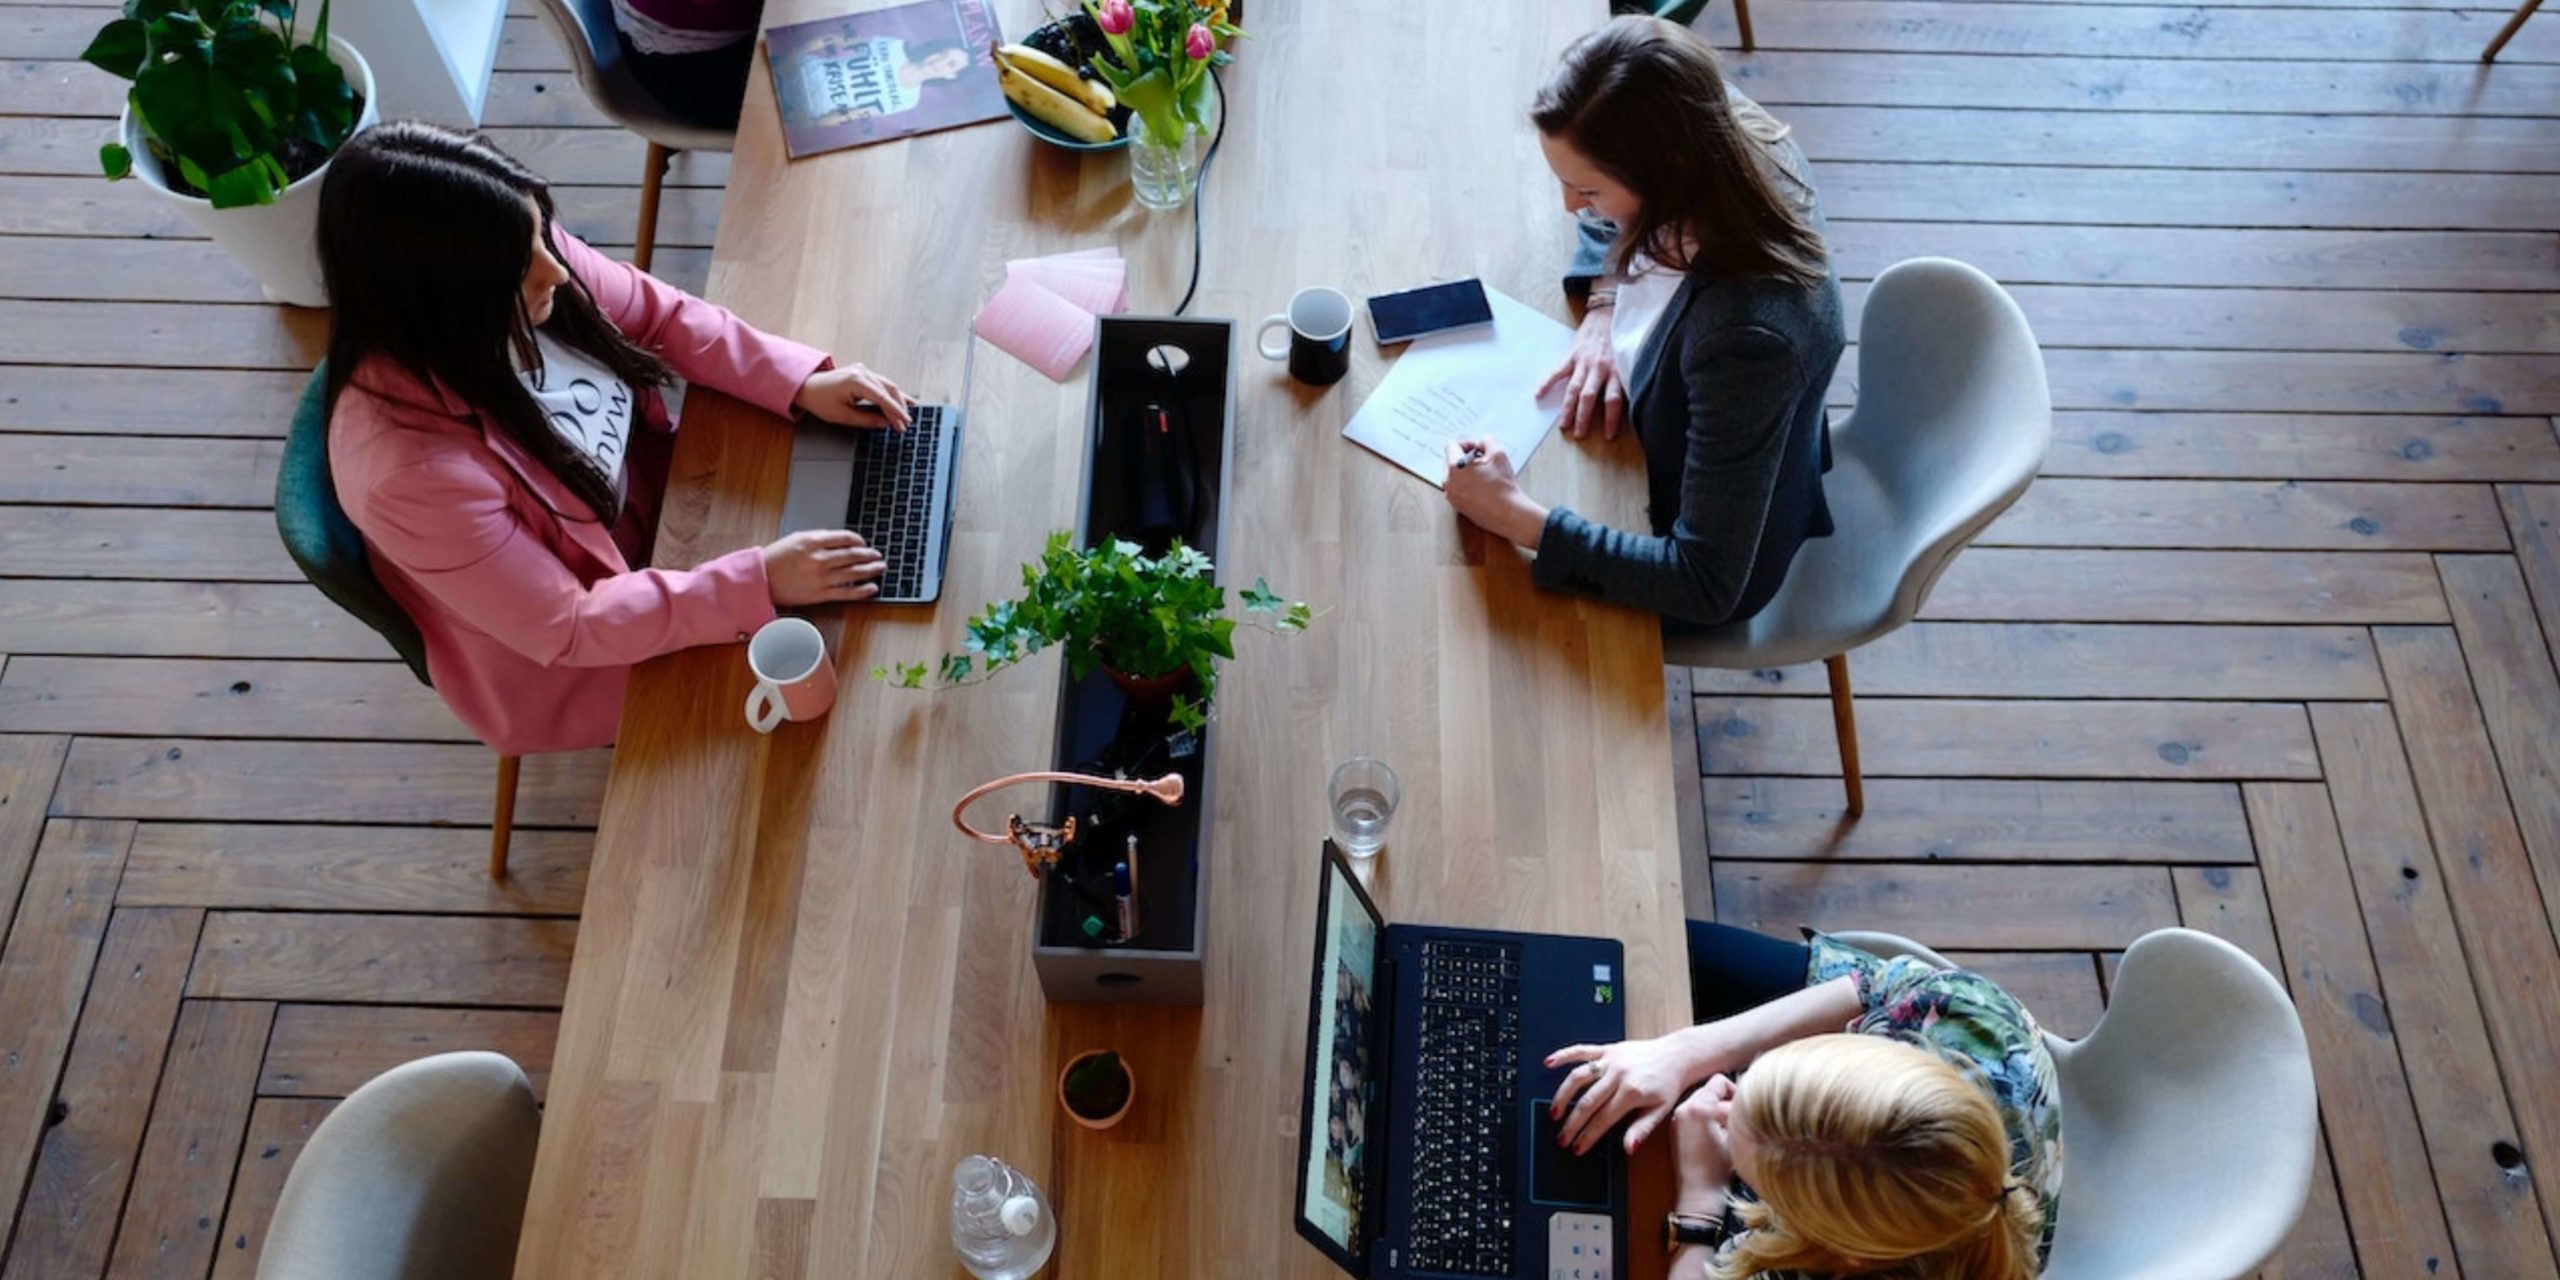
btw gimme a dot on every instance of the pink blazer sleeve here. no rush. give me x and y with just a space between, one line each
451 528
703 342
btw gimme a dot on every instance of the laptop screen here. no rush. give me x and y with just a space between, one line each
1332 1176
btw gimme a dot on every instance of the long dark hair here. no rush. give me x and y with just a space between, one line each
425 238
1644 99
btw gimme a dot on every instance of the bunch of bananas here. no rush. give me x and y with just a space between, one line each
1055 94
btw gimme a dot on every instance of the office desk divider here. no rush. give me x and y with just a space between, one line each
1188 368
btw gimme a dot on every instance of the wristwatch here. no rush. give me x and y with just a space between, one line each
1689 1228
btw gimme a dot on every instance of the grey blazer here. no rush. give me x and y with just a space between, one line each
1727 398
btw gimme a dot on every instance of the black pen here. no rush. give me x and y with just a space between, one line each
1472 457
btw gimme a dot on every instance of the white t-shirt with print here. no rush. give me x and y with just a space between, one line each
589 406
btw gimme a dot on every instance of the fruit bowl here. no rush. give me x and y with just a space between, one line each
1050 134
1069 42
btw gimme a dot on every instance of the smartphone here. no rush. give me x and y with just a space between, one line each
1435 308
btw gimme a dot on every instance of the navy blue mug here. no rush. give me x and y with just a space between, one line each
1319 325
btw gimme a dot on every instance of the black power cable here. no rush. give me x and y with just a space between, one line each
1198 181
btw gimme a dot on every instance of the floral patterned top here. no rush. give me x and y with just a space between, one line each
1977 1026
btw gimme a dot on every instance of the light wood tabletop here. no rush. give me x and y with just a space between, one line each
800 997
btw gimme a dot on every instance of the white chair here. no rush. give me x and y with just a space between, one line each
1952 422
2189 1117
586 27
419 1175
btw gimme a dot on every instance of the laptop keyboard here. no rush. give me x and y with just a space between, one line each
892 504
1467 1133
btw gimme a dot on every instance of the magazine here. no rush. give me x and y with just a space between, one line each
868 77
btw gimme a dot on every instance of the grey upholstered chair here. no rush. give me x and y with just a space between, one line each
586 27
1951 424
419 1175
2189 1117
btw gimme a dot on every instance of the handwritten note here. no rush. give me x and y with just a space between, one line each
1478 382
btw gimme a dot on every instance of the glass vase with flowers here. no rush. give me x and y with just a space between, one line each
1159 60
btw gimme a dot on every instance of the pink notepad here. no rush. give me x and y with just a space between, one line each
1036 326
1043 316
1097 285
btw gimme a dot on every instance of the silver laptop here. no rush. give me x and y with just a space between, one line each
892 487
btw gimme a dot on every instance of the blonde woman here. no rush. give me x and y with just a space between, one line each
1836 1113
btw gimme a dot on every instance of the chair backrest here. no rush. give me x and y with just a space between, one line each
586 28
595 54
2188 1115
421 1174
320 538
1953 414
2189 1119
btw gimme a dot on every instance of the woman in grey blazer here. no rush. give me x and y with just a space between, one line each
1713 326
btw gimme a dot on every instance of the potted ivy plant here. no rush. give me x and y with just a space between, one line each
233 117
1096 1089
1157 625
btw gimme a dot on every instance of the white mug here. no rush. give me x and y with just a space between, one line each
794 680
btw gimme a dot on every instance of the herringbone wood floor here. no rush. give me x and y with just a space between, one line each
2267 652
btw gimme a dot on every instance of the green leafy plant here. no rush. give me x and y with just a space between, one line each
1098 1086
1160 53
1112 606
232 107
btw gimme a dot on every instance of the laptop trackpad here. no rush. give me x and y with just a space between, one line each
818 493
1560 1177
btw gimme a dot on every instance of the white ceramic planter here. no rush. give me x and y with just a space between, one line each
277 242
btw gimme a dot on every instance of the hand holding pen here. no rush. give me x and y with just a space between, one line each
1480 485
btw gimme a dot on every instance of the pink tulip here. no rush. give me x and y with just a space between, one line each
1116 17
1199 44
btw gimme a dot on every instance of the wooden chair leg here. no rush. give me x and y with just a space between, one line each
2508 32
502 819
1742 19
653 178
1844 723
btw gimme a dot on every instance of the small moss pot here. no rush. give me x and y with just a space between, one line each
1127 1099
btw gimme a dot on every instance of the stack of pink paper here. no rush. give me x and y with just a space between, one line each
1044 314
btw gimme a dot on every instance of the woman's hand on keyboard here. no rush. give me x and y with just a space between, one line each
1639 1078
822 566
854 396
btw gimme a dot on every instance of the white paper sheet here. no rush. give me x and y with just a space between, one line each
1480 382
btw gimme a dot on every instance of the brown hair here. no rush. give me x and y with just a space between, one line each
1644 99
425 236
1878 1158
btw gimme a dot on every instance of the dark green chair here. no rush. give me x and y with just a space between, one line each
326 546
1686 12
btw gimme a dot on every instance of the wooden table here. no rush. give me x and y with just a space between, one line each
800 997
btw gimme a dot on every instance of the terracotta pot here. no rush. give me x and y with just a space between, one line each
1107 1121
1150 690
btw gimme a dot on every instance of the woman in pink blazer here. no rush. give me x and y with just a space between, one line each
496 433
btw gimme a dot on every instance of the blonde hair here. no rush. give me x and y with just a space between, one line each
1876 1157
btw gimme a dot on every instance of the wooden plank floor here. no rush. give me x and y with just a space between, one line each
2268 653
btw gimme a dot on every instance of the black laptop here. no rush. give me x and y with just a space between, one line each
1425 1149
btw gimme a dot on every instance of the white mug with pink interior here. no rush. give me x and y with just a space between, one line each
794 680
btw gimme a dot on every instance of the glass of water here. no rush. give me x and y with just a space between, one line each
1363 794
